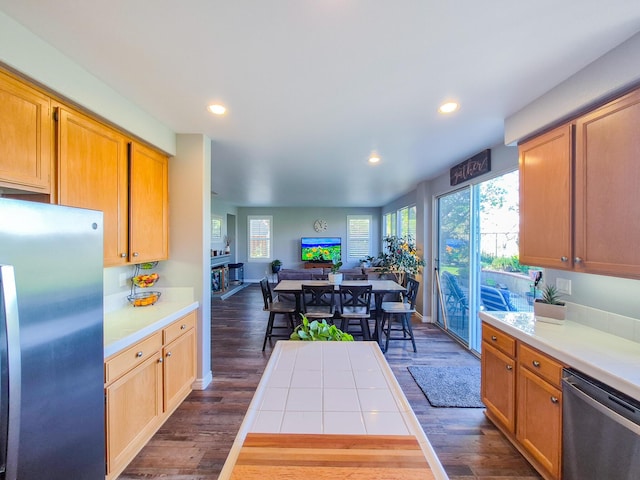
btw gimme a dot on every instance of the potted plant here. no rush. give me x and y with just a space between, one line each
550 308
276 265
319 331
367 261
400 258
335 276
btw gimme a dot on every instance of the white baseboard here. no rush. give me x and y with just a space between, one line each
202 383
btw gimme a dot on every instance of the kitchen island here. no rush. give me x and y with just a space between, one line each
330 410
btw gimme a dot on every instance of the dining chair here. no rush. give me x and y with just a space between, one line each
355 305
318 302
396 316
276 308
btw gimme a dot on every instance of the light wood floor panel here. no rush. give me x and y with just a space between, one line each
194 442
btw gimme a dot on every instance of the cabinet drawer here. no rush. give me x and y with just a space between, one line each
539 363
502 341
124 361
179 327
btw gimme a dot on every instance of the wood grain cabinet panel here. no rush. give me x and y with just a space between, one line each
144 384
149 208
546 236
93 167
498 386
607 221
539 418
25 137
134 412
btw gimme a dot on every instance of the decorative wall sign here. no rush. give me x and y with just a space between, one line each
472 167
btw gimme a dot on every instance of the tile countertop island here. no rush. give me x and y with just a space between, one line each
610 359
330 410
125 324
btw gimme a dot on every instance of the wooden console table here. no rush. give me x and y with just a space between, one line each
308 265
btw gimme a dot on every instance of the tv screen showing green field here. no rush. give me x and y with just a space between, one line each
321 249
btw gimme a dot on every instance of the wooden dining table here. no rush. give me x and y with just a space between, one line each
378 287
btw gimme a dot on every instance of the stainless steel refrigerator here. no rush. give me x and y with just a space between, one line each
51 342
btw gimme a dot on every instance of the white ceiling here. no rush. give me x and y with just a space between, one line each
313 86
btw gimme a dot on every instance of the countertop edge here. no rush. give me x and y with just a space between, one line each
578 360
126 341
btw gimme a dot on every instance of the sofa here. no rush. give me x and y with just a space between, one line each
314 273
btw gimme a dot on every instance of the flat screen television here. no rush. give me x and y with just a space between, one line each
320 249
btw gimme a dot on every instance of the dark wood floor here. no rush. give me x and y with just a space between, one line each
193 443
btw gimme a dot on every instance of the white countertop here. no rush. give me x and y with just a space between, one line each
606 357
330 388
125 324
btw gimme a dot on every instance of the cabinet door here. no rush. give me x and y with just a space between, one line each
134 411
607 223
545 200
25 137
148 211
540 420
179 369
93 174
499 385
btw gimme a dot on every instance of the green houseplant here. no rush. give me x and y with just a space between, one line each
400 257
276 265
335 276
550 308
315 331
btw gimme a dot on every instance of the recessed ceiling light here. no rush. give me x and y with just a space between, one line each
217 109
374 158
448 107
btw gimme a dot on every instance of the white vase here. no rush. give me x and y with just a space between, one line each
548 313
335 278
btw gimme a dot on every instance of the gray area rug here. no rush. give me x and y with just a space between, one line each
449 386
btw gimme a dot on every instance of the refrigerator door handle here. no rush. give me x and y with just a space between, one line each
13 367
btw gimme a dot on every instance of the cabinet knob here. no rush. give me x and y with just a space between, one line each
123 255
509 367
135 254
577 260
183 326
564 259
168 354
536 363
139 354
554 399
494 338
160 360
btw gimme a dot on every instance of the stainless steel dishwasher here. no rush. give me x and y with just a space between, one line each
600 431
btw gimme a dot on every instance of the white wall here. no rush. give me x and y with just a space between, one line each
614 72
31 56
289 224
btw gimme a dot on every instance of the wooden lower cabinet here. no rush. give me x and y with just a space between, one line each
523 397
144 384
540 420
499 386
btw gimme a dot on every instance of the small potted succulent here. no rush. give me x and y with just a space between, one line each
550 308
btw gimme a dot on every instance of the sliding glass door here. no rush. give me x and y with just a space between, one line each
453 263
476 261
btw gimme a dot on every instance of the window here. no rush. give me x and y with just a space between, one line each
216 228
389 225
407 223
260 236
358 237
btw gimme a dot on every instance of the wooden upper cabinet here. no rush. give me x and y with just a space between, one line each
149 205
25 137
545 199
93 174
607 222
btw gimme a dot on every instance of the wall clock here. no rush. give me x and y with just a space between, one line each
320 225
